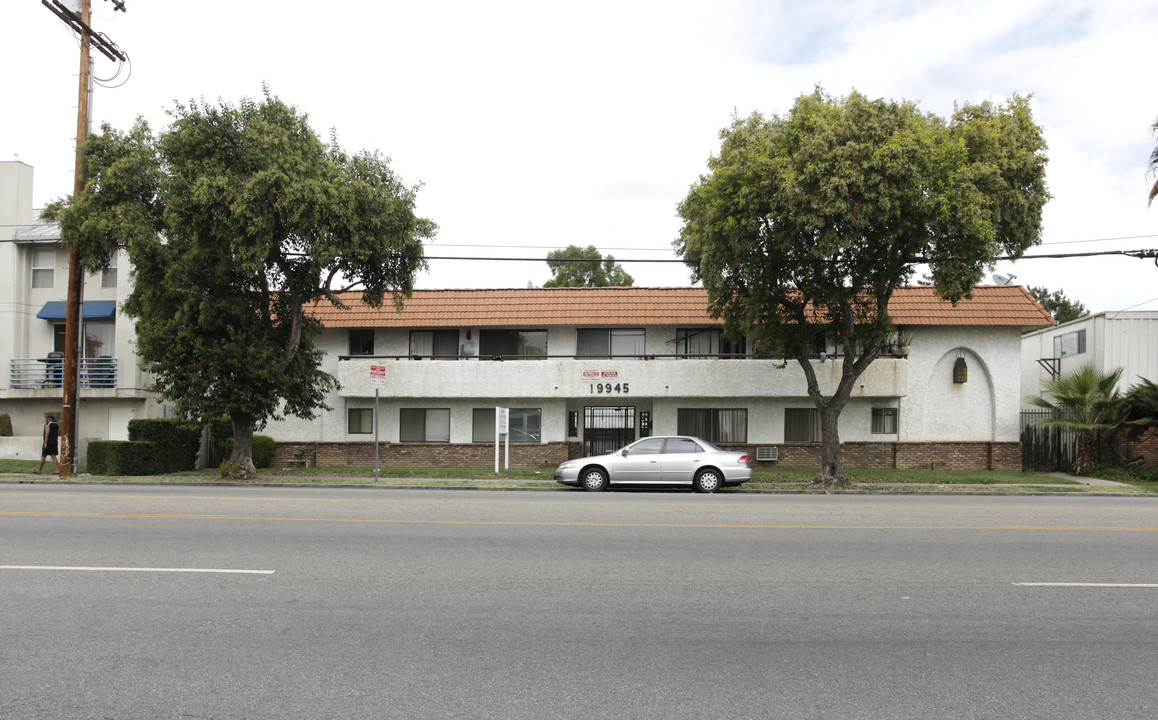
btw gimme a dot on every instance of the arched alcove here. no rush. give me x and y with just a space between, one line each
958 411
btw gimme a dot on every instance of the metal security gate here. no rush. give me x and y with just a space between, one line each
606 429
1045 448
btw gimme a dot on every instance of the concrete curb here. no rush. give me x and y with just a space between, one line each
549 486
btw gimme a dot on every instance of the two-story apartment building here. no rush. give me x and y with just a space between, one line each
586 370
33 290
581 370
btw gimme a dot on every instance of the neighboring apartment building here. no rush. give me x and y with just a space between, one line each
33 290
1106 340
586 370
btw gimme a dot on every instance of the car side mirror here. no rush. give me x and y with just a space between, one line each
623 452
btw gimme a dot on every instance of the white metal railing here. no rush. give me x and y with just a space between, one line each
48 372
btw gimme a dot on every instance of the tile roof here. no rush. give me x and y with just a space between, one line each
990 305
543 307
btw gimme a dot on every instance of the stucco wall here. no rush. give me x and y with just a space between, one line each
983 409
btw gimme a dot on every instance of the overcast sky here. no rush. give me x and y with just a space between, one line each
536 125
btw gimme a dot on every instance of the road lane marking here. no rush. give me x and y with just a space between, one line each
525 523
138 569
1087 584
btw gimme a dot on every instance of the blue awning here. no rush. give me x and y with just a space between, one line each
93 310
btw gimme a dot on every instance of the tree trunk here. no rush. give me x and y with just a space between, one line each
240 463
831 457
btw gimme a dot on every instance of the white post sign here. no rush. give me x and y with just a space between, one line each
377 381
502 427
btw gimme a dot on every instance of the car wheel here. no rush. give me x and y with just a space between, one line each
707 480
594 479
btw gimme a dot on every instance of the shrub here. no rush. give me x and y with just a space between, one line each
176 442
5 425
118 457
221 432
263 448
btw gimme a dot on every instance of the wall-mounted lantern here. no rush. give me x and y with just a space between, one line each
960 369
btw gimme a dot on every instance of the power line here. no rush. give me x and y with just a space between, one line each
1139 254
1092 240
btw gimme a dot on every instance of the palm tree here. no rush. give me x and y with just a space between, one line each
1154 164
1088 402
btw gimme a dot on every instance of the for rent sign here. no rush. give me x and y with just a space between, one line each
377 376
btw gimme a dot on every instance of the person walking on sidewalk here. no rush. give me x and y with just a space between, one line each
48 449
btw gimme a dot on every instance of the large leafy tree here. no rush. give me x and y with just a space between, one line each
1058 305
585 267
236 219
806 224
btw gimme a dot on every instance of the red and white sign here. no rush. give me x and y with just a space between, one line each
599 374
377 376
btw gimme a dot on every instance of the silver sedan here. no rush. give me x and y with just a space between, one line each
663 460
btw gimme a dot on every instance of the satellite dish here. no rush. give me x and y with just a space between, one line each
1003 279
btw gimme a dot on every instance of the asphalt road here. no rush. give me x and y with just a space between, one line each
209 602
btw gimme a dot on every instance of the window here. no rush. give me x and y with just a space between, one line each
524 343
681 445
359 421
440 344
525 425
420 425
43 268
706 341
362 342
604 342
1073 343
715 426
109 274
648 446
884 421
801 425
98 339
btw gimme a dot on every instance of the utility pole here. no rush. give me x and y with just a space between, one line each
69 435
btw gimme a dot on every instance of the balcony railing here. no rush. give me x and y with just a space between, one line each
48 372
886 352
570 377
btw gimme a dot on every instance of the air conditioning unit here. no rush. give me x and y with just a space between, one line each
767 454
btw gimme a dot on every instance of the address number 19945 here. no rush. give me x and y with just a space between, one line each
609 388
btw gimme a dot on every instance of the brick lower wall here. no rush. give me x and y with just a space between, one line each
908 456
418 454
1147 447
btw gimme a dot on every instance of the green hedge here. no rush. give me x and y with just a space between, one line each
5 425
263 447
221 431
118 457
175 442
